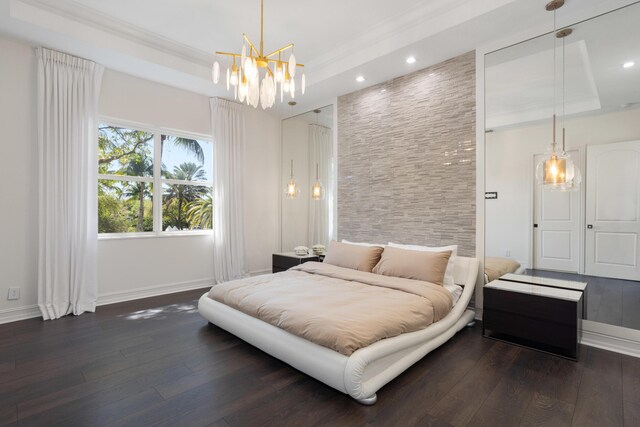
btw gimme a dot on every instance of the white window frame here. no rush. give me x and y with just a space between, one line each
157 180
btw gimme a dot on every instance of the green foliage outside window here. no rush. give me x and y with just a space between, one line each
127 205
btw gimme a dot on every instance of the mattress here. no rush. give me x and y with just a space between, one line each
338 308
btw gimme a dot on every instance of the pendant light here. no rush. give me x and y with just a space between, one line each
317 191
556 169
291 191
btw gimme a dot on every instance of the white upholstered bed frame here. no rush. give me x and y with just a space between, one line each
368 369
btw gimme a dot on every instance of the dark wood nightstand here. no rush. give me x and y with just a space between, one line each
286 260
539 317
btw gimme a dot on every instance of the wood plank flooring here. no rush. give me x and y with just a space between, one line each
157 362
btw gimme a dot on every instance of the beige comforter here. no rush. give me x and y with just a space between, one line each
335 307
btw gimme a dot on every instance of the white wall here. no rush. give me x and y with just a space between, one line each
131 267
510 172
18 175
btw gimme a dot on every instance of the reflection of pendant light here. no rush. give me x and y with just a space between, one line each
556 169
317 191
292 190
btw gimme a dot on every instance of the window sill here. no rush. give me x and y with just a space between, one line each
164 234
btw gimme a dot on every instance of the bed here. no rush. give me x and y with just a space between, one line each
363 372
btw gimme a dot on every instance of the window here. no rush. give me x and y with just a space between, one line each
134 164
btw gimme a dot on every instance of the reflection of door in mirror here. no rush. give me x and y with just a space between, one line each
307 141
613 210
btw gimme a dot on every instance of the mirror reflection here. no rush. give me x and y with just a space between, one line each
308 177
586 229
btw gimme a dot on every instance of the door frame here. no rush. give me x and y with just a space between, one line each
582 205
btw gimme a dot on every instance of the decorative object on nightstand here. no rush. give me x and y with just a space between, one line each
286 260
543 318
319 250
301 250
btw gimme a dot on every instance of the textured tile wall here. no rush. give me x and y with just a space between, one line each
406 158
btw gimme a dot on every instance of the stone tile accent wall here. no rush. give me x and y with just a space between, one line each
406 159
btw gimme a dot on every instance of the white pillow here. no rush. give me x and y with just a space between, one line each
361 244
448 274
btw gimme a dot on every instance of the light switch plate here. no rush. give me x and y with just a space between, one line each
14 293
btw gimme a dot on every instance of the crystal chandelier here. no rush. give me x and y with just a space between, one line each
244 75
557 170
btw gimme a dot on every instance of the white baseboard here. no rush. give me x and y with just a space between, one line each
611 337
19 313
607 342
152 291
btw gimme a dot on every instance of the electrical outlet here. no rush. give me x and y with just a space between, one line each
508 253
14 293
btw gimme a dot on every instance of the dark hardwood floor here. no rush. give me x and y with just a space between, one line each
157 362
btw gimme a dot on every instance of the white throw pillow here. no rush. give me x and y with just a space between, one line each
448 275
361 244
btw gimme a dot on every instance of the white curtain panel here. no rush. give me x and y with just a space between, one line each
67 101
321 211
230 260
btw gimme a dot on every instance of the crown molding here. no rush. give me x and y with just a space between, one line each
82 14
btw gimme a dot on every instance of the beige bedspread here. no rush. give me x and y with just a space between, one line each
338 308
495 267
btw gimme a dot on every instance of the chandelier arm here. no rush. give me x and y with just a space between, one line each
275 61
251 44
282 49
235 55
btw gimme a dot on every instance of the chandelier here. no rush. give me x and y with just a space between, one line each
254 87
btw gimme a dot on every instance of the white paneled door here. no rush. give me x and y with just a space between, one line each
556 233
613 210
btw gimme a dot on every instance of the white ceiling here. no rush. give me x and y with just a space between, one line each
520 80
171 41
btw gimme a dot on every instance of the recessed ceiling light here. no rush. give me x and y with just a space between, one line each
360 79
411 60
383 90
628 64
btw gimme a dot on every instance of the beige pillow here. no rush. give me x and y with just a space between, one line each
356 257
417 265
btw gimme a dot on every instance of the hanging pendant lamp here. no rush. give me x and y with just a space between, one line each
556 170
317 191
291 191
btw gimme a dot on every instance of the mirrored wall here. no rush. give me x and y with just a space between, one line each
308 179
591 80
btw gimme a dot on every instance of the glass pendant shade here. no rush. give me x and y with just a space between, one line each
215 72
317 191
303 84
292 65
291 191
